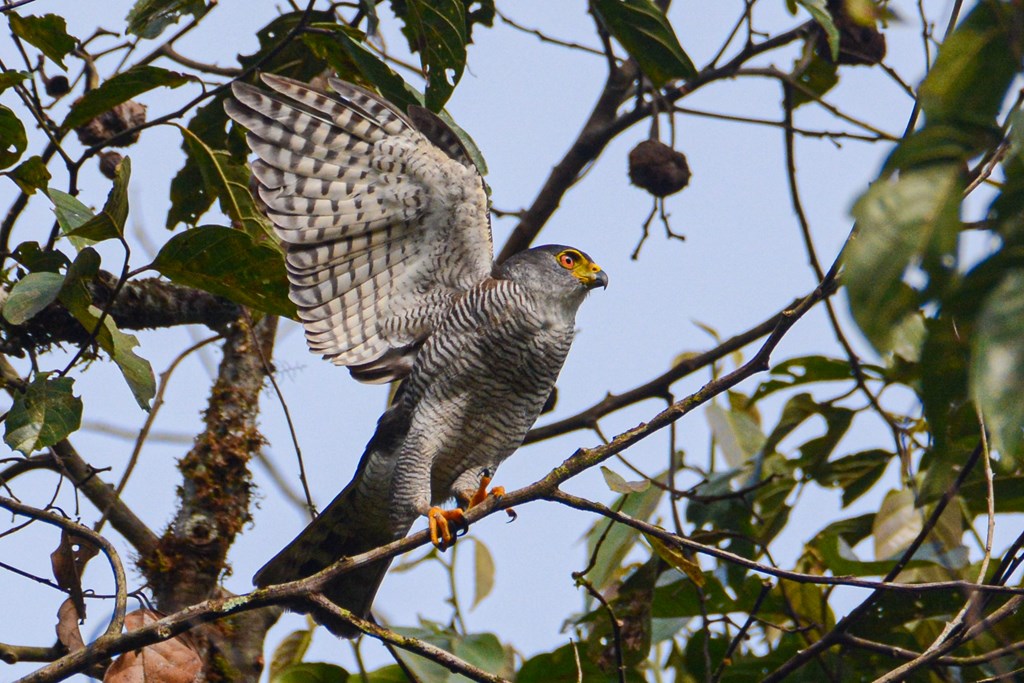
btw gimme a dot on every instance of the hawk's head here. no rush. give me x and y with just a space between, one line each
556 268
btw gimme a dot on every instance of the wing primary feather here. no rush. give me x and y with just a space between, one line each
382 215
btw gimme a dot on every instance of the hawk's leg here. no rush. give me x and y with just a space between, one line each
481 494
445 525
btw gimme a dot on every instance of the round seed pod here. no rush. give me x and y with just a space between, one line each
112 122
657 168
57 86
109 162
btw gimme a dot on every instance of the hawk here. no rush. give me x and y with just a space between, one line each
385 225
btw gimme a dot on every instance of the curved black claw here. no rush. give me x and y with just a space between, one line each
512 515
460 527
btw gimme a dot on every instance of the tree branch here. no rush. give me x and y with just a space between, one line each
186 565
659 386
147 303
120 581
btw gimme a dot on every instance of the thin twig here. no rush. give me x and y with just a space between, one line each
620 664
544 38
269 372
120 581
766 589
158 402
14 4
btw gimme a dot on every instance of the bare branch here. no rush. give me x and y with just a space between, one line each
120 581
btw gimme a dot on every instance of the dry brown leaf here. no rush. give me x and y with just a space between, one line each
67 626
68 561
172 661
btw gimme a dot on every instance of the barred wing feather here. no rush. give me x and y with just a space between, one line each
383 217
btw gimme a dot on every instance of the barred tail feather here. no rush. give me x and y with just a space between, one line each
334 534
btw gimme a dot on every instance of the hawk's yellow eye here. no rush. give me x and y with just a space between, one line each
567 260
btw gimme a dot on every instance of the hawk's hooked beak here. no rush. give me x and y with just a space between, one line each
595 278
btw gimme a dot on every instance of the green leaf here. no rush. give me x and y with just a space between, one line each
855 474
10 78
682 599
819 11
293 59
483 572
137 371
31 294
31 175
71 214
942 142
118 89
110 222
229 181
997 365
1006 213
973 69
311 672
815 452
808 370
36 259
485 651
388 674
1008 490
374 70
49 33
896 525
944 385
619 485
331 50
818 77
437 30
290 651
901 223
190 197
620 538
423 669
644 30
44 414
567 665
736 433
228 263
12 137
75 294
149 18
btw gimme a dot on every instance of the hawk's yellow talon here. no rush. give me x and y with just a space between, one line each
447 525
441 521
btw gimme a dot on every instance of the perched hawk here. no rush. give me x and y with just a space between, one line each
385 224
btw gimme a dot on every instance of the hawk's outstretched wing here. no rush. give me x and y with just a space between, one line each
383 217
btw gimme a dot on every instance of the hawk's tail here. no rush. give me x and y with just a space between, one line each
337 532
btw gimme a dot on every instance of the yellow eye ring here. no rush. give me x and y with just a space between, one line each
567 260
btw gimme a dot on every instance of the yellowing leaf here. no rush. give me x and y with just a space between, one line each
483 572
619 485
675 557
